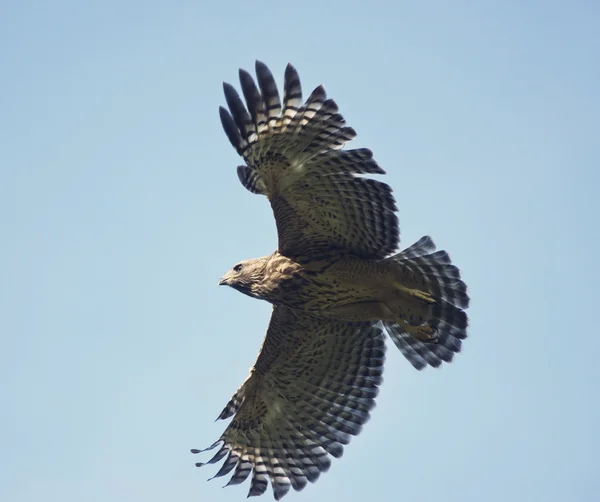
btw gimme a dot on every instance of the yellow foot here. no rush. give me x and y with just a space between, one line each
415 293
422 295
424 332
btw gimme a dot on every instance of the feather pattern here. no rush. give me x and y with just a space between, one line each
312 388
321 201
270 94
442 280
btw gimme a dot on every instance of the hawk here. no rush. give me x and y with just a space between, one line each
336 282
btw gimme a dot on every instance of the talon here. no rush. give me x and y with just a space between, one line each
415 293
424 332
422 295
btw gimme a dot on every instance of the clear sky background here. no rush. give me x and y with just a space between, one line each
120 208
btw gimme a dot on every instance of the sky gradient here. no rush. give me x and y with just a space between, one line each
120 208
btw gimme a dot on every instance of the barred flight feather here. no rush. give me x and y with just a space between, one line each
292 96
293 156
310 392
256 105
269 91
250 178
235 402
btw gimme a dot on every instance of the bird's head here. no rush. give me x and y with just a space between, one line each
247 277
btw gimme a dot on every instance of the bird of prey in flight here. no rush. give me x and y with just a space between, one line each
337 283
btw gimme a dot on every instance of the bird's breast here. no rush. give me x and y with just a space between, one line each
319 289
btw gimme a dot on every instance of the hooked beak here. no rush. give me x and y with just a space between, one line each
224 281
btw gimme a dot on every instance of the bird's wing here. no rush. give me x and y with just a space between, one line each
310 390
321 199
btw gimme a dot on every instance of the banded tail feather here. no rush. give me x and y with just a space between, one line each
442 281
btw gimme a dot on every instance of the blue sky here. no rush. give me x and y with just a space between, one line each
120 209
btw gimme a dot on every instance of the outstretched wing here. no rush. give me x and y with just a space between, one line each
309 392
321 201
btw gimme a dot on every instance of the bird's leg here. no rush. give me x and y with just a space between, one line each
378 311
370 310
424 332
414 293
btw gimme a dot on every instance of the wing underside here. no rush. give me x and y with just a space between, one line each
321 198
310 391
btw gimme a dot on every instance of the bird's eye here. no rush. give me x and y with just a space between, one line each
238 267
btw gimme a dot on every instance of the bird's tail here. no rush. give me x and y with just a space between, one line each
433 272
